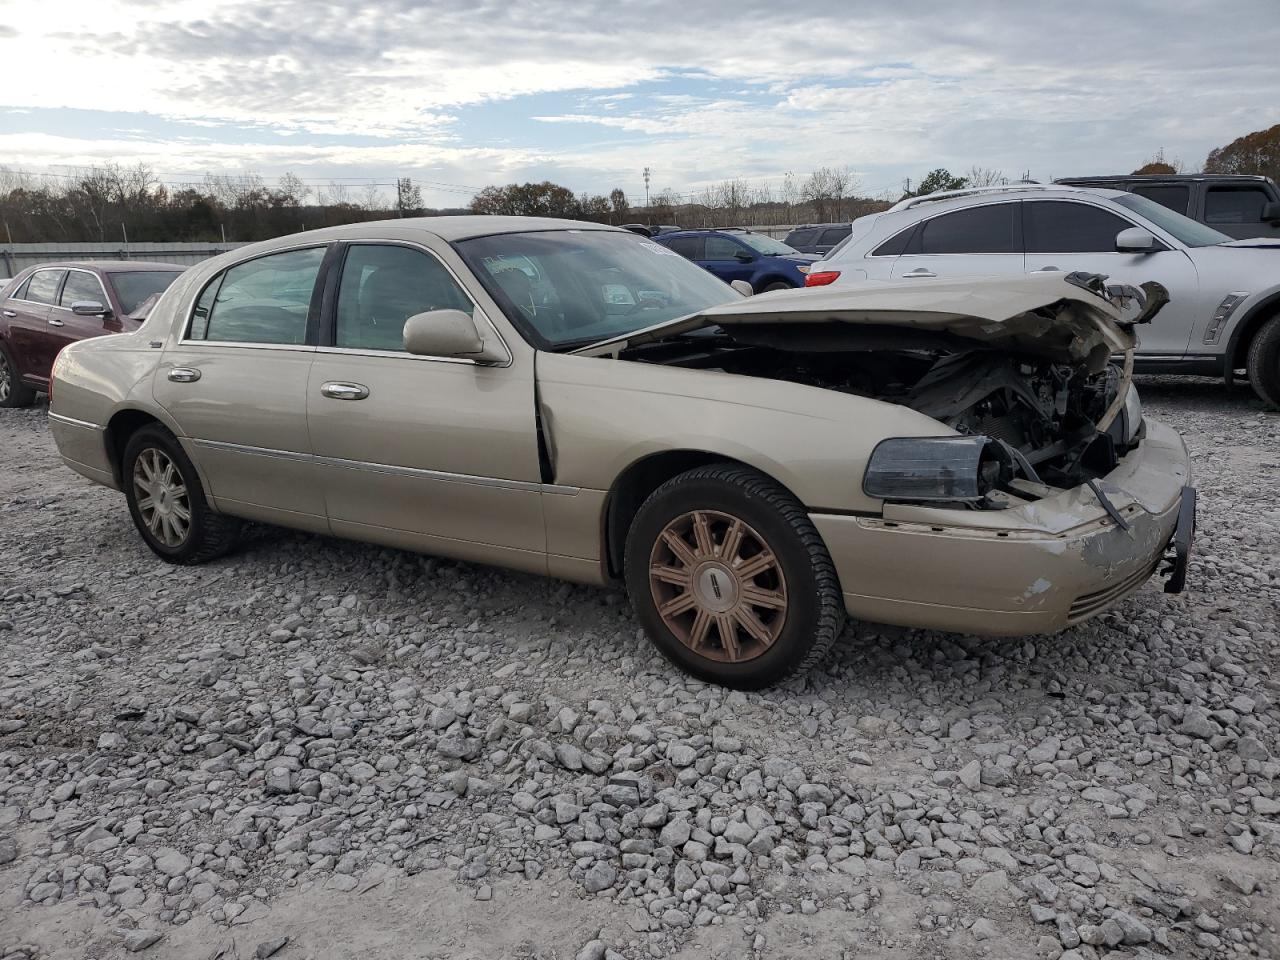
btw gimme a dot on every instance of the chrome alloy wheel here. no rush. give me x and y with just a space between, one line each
711 569
162 497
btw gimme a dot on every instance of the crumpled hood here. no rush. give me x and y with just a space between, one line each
1044 315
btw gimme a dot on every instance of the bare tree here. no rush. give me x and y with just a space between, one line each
986 177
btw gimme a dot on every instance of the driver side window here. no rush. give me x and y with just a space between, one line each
721 248
382 286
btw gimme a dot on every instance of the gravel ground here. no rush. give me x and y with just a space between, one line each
353 751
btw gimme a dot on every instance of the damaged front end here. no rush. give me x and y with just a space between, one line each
1021 371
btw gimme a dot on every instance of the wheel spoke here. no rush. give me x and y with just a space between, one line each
678 605
701 626
753 596
677 576
179 528
154 522
728 631
732 540
146 503
679 547
702 535
166 473
751 623
181 513
752 567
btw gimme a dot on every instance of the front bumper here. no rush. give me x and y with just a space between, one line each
1037 568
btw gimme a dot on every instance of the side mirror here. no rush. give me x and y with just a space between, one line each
1271 211
89 308
743 257
449 333
1135 240
742 287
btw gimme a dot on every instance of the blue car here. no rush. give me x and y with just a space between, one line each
736 254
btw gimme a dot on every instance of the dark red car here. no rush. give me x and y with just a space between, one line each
46 307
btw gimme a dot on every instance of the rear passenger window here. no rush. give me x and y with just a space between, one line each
1063 227
382 287
896 245
43 286
800 238
688 247
1174 197
262 301
1234 204
979 230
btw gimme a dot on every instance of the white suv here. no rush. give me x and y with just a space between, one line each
1224 309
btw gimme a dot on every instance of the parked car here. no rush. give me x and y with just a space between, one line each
737 254
46 307
1225 311
645 230
570 399
1239 206
819 238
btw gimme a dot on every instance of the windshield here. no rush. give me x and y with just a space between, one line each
766 245
1190 232
567 288
133 288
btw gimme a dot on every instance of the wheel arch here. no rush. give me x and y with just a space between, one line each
1248 325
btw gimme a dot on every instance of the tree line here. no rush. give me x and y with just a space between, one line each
116 203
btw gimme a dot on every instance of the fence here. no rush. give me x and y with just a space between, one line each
18 256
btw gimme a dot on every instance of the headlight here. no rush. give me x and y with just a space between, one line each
936 468
1132 414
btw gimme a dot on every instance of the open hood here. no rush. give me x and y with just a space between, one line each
1059 317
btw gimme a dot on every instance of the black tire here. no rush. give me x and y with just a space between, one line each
814 610
1263 361
777 285
13 392
208 534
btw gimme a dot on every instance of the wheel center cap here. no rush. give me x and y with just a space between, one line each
716 587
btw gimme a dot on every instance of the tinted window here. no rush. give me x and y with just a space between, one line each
895 245
721 248
133 289
767 245
979 230
43 286
799 238
382 287
833 236
1053 227
1167 195
81 286
1190 232
690 247
19 292
262 301
1234 204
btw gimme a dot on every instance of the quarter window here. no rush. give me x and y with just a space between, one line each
986 229
1234 204
80 287
43 286
1172 196
896 245
1059 227
261 301
382 287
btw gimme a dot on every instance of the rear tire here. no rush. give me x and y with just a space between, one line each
730 578
168 504
777 285
1263 362
13 392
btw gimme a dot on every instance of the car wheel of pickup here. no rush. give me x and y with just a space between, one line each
1263 362
168 504
13 392
730 579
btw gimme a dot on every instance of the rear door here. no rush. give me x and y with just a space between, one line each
1063 236
981 241
432 453
1236 210
63 326
236 383
30 333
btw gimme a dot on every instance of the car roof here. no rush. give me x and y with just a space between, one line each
455 228
112 266
812 226
1159 177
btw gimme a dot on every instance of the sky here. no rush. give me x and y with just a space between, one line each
461 95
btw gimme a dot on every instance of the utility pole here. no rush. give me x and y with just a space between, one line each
646 189
906 185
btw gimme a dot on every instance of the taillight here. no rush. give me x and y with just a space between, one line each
821 279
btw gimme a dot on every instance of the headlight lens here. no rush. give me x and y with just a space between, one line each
936 468
1132 415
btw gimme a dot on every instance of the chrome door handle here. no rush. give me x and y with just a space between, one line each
336 390
55 322
184 374
9 313
919 272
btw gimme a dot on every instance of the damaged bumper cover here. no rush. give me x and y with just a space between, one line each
1037 568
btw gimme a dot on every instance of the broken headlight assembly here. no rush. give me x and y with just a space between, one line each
1131 415
957 469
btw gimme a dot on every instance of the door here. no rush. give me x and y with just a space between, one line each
30 333
974 242
727 259
1069 235
236 384
64 327
437 454
1236 210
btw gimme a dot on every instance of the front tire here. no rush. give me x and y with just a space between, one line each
776 285
13 392
167 502
1263 362
730 578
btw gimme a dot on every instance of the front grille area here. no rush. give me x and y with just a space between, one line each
1086 605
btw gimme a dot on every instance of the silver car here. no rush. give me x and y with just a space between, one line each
1224 310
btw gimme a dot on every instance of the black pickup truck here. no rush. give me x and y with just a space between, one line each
1239 206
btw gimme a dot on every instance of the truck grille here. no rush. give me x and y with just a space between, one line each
1088 604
